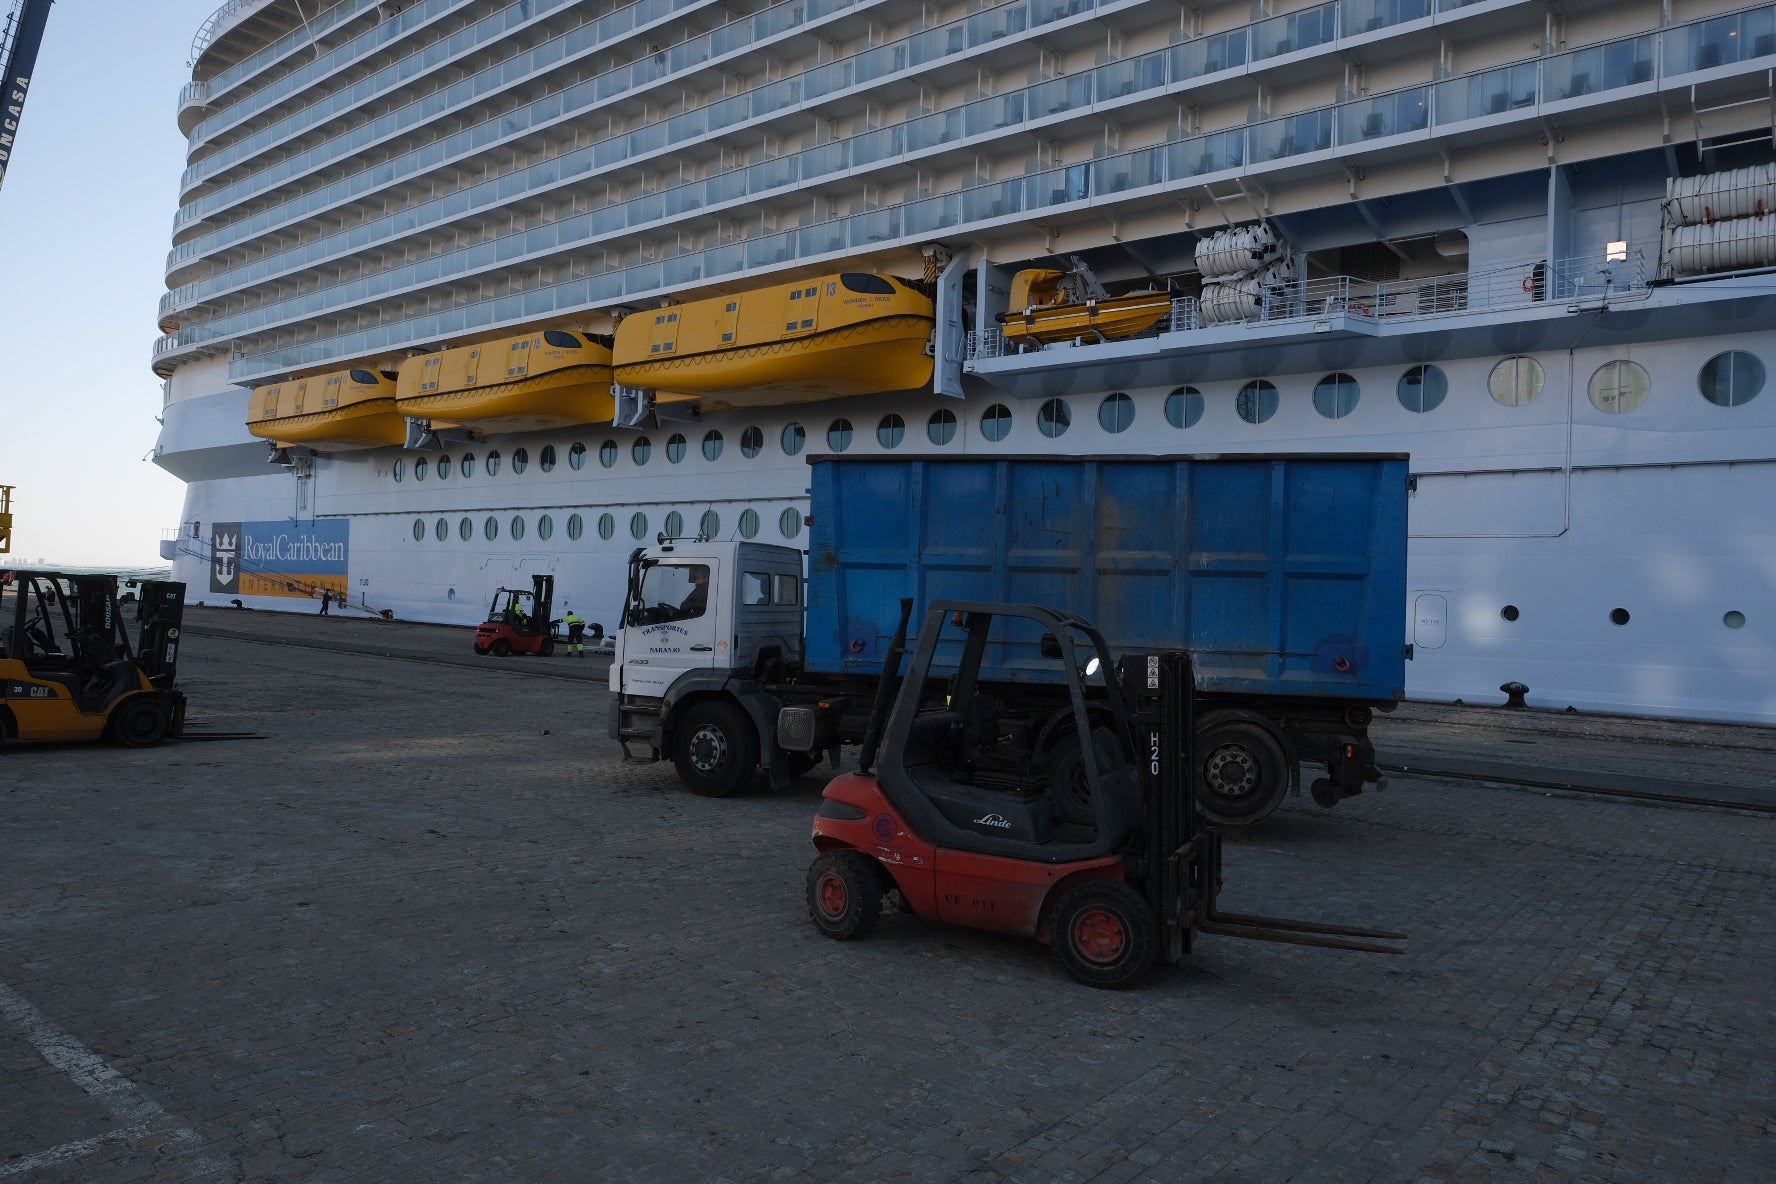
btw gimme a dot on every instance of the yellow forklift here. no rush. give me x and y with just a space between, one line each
68 670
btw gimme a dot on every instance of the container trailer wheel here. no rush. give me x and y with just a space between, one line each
140 723
1242 770
1105 934
845 894
714 749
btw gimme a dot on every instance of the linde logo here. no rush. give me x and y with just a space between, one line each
993 820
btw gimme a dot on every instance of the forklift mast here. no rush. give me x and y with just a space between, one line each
159 613
542 600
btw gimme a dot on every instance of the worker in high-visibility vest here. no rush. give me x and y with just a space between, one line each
576 634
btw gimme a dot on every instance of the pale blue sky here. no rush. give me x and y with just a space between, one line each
85 224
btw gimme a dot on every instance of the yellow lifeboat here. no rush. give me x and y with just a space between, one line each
850 334
342 411
551 378
1043 309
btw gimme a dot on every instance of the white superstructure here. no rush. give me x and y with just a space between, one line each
1532 246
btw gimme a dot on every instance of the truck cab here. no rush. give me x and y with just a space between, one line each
705 626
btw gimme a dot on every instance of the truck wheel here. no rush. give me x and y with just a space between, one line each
140 723
845 894
714 749
501 648
1241 771
1105 934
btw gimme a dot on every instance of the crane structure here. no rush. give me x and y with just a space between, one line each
5 519
19 40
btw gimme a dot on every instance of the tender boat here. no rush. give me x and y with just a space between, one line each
548 378
344 410
1043 310
854 333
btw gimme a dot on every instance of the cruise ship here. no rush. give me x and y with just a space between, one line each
460 291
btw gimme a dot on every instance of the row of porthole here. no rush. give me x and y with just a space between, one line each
789 525
1730 379
1732 619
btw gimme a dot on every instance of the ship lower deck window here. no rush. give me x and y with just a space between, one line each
520 460
891 431
1054 417
1336 395
1619 387
794 436
400 470
493 462
1184 407
419 469
1732 379
1734 619
576 456
752 442
711 524
789 523
490 527
838 435
517 526
545 527
443 467
467 467
675 525
749 524
940 429
546 458
465 530
712 445
419 530
1116 413
441 530
1257 401
607 526
676 445
1422 388
607 453
1515 382
641 450
576 526
638 525
996 422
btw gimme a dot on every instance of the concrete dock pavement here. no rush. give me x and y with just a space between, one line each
408 937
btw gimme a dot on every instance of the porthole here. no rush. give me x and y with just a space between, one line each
675 525
1515 382
638 525
940 429
1184 407
1732 379
545 527
441 530
752 442
443 467
711 524
1116 413
419 469
467 467
1257 401
1053 418
749 524
1509 612
419 530
465 529
607 453
576 456
517 526
520 460
838 435
712 445
996 422
676 446
789 523
607 526
493 459
793 439
1422 388
1336 395
1734 619
576 526
641 450
490 527
891 431
400 469
1618 616
1619 387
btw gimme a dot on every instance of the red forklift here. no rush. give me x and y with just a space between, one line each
974 818
518 621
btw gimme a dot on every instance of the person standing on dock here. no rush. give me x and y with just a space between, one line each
576 633
326 601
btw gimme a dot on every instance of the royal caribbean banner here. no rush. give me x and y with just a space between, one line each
280 558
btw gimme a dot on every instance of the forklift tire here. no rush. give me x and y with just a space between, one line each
845 894
1105 934
547 648
481 649
714 749
140 723
1242 772
501 648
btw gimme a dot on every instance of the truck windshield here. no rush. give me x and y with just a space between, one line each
673 592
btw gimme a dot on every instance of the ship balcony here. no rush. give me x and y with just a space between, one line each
1327 322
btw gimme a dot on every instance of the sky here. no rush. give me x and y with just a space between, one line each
86 215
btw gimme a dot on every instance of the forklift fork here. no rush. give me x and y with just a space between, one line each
1210 919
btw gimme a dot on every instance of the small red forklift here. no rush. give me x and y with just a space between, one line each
518 621
974 818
